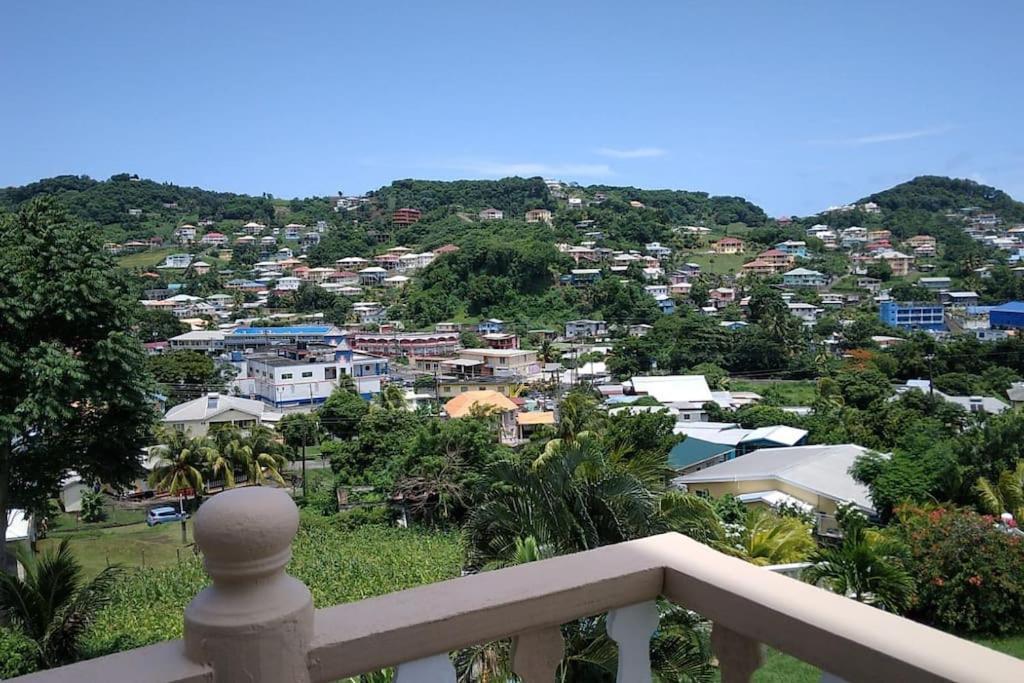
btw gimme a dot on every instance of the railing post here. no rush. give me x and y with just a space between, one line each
738 656
255 622
631 628
537 654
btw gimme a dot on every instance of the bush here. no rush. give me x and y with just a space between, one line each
18 654
379 515
969 574
92 507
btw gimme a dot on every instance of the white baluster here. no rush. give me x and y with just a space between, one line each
738 656
631 628
537 654
436 669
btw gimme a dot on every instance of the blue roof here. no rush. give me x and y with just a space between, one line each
1010 307
295 329
691 450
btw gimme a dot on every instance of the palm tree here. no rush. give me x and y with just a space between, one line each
181 464
768 538
262 457
1006 494
866 566
228 454
53 604
391 397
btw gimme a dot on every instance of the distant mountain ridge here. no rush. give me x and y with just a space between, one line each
939 193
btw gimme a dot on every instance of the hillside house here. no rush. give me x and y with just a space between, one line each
490 326
728 245
804 277
491 214
794 248
538 216
577 329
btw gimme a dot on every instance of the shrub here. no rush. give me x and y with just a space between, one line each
18 654
969 574
92 507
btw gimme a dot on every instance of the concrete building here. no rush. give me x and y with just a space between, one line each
576 329
909 315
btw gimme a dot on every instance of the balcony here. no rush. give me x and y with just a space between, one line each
256 623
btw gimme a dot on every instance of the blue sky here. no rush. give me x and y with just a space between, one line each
795 105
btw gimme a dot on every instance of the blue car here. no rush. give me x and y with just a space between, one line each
164 514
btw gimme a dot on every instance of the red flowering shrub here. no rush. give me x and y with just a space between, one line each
969 574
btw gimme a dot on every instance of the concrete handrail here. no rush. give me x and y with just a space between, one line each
255 623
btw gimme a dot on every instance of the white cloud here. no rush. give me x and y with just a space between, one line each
527 168
879 138
632 153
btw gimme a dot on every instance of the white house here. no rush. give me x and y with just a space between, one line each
195 417
177 261
575 329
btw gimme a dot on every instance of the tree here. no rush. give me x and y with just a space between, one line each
76 393
767 538
191 373
867 566
92 507
391 397
181 464
157 325
300 430
880 270
263 459
1005 494
53 604
341 412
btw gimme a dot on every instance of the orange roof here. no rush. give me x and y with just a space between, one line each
536 418
461 405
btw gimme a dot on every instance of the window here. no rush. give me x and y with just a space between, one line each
286 375
308 374
464 389
331 373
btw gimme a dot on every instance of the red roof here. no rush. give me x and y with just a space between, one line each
772 252
729 240
446 249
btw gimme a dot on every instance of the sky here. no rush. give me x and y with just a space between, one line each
795 105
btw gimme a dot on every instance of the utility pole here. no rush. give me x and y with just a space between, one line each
931 381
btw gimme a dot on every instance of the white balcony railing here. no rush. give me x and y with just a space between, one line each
255 623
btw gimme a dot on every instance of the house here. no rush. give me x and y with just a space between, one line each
531 422
197 416
503 362
575 329
816 478
808 313
449 386
871 284
177 261
501 340
722 296
538 216
200 267
795 248
671 388
922 245
910 315
490 326
411 344
709 443
804 277
898 262
304 375
935 283
778 259
666 304
185 234
214 238
960 299
657 250
253 228
727 245
758 267
640 330
972 404
374 275
583 277
489 402
491 214
406 216
1016 394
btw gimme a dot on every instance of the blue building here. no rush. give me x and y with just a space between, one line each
666 304
793 248
1009 316
913 315
491 326
256 337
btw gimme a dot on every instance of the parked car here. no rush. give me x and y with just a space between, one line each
164 514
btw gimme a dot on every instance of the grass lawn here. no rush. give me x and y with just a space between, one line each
116 516
797 392
145 259
129 546
718 264
781 668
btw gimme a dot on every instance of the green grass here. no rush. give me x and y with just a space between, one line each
800 392
129 546
116 516
145 259
718 264
781 668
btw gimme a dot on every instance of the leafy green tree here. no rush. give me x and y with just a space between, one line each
76 392
880 270
341 412
190 373
767 538
263 459
391 397
92 507
53 604
157 325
